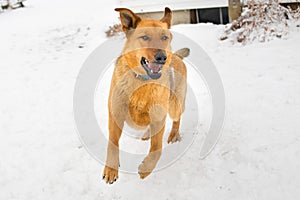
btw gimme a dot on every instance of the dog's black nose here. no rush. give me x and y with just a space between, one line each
160 58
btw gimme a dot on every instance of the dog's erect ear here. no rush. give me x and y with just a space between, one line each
129 19
168 17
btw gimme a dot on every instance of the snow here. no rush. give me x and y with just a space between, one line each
42 157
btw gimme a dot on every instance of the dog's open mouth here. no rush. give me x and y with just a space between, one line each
153 69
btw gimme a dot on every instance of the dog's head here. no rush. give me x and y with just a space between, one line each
147 49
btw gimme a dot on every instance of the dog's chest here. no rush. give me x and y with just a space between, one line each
149 102
143 98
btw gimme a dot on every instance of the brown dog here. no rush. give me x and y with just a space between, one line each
148 82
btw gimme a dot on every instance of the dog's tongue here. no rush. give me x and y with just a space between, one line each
154 67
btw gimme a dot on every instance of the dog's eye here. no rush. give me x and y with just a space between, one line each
165 37
145 37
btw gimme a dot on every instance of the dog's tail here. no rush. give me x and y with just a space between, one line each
182 53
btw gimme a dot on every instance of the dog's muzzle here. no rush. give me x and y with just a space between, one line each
154 69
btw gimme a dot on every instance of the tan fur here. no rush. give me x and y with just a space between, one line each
144 103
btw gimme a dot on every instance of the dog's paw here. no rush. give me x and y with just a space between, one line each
146 135
110 175
148 164
144 171
174 137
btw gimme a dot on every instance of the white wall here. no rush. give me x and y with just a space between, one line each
158 5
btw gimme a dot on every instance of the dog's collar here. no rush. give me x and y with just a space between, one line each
143 77
146 77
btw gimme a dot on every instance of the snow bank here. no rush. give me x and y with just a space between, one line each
261 21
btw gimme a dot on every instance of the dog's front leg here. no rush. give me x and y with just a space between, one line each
110 173
157 130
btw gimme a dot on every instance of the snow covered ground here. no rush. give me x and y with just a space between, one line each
42 48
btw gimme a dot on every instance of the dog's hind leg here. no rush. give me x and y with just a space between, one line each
174 135
175 111
177 104
146 135
158 116
110 172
